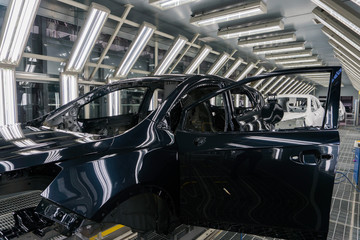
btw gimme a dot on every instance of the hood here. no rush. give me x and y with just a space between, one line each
26 146
292 116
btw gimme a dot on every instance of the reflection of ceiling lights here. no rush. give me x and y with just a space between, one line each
262 40
280 48
240 31
229 13
218 63
81 50
304 53
135 49
337 28
297 60
166 4
18 19
310 64
233 67
200 56
341 12
170 55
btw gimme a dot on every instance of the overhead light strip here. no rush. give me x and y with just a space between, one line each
304 53
298 60
245 71
215 68
233 67
135 49
262 40
337 42
166 4
274 84
19 18
310 64
198 59
293 84
281 84
229 13
280 48
339 11
86 40
267 84
170 55
240 31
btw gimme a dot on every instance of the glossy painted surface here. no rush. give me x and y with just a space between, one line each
276 183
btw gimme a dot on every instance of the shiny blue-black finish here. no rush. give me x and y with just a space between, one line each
274 183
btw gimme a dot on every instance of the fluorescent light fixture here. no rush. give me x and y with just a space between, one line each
267 83
18 20
233 67
68 87
280 48
262 40
241 31
348 64
291 86
356 1
274 84
246 70
281 84
337 42
310 64
170 55
341 12
297 88
200 56
259 71
348 58
301 88
229 13
306 89
310 90
8 103
297 60
337 28
166 4
86 40
304 53
136 47
218 63
286 86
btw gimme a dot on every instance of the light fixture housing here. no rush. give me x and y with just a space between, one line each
303 53
166 4
341 12
94 22
218 63
356 1
233 67
135 49
313 58
281 84
337 28
229 13
19 18
252 29
309 64
263 40
280 48
267 83
286 85
245 71
291 86
274 84
170 55
198 59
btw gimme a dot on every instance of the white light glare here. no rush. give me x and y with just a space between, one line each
94 22
135 49
229 13
18 19
170 55
204 51
166 4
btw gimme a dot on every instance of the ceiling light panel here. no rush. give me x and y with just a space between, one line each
241 31
303 53
170 55
246 70
337 28
198 59
349 58
218 63
262 40
281 84
86 40
166 4
280 48
337 42
310 64
297 60
339 11
233 67
286 85
18 20
229 13
135 49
